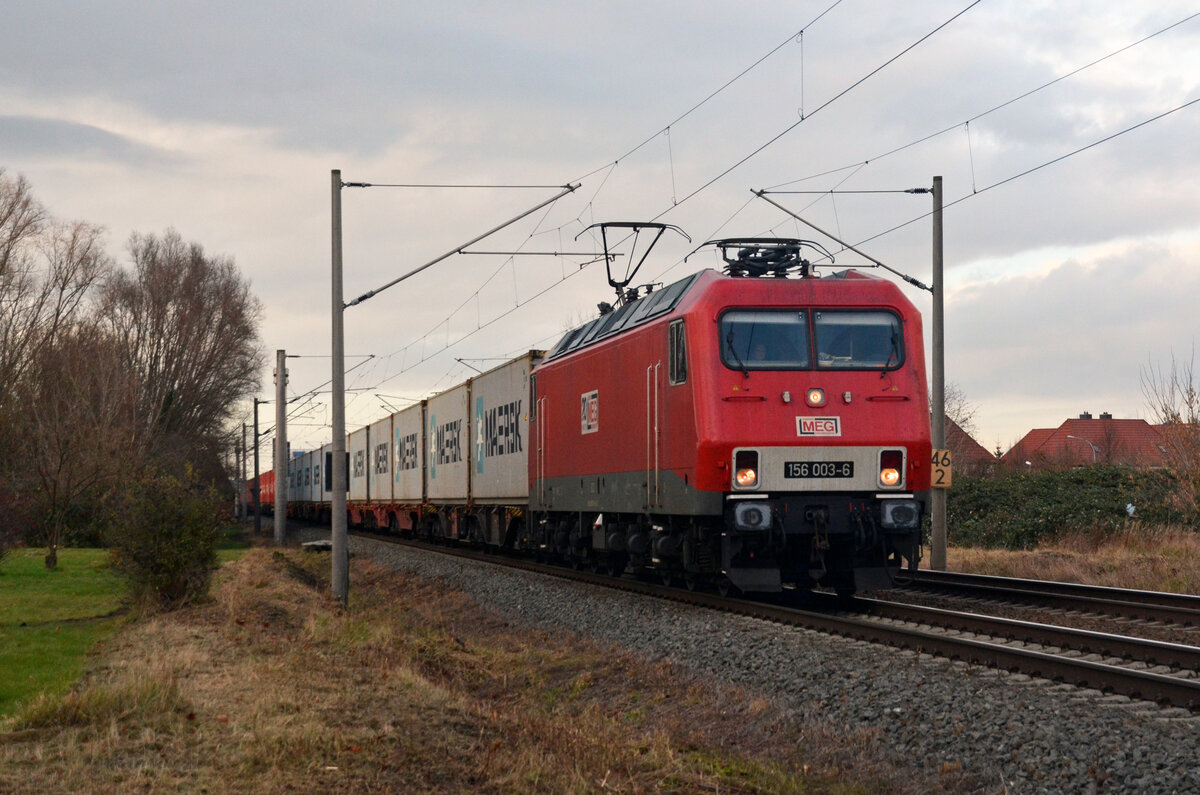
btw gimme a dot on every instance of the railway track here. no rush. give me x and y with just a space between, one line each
1150 606
1139 668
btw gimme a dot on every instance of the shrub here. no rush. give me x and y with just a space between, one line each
1019 509
163 535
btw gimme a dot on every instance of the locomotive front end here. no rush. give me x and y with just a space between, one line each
819 426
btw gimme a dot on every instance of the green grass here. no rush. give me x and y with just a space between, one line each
50 620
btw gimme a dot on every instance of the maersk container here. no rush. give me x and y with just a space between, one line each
312 477
296 466
323 472
408 455
447 439
379 461
500 402
308 477
356 446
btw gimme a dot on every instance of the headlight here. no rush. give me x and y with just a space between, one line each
745 469
891 468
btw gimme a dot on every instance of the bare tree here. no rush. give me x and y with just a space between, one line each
959 409
960 433
77 438
48 269
188 328
1174 399
21 217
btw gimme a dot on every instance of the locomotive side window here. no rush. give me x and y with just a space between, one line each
677 353
765 339
860 339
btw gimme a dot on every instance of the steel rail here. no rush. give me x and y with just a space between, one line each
1180 609
1153 652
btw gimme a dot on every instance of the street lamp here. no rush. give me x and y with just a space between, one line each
1095 449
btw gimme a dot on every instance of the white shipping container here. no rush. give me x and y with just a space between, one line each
408 455
295 464
500 432
323 485
447 450
379 461
356 446
312 477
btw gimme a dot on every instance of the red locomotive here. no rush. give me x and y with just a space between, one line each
758 429
749 429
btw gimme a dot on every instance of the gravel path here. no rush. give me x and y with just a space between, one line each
1016 734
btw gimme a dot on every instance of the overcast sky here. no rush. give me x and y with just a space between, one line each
224 120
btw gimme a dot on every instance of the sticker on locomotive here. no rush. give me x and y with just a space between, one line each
818 469
589 412
818 426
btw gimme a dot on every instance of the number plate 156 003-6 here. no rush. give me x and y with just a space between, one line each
818 469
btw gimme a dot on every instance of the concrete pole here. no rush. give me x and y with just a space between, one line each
257 482
281 451
245 512
937 497
340 576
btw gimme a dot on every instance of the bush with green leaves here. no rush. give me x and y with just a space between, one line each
163 534
1017 510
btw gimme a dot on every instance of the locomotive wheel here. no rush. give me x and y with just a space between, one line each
726 588
691 581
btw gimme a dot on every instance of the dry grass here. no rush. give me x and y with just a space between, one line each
270 687
1138 557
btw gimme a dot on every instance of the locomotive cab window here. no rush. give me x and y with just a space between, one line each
765 339
677 353
859 339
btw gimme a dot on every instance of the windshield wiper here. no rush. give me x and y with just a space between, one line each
736 358
893 356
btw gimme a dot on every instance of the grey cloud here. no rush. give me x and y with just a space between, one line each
25 136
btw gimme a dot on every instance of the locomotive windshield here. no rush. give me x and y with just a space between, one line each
783 339
765 339
857 339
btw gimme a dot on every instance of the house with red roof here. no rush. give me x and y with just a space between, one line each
969 457
1090 440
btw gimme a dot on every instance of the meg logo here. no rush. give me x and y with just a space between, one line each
589 412
818 426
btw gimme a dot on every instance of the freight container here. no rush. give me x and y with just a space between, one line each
500 432
356 446
408 455
447 476
379 461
